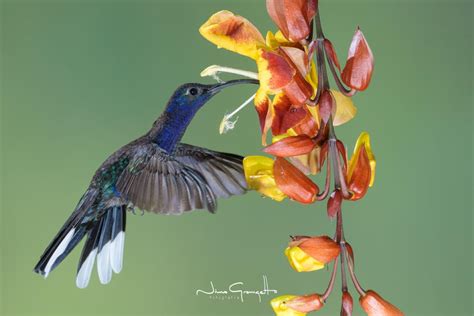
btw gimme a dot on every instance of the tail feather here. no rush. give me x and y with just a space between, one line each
118 239
89 252
105 240
67 237
104 268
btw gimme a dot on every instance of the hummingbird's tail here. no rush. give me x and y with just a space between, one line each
105 240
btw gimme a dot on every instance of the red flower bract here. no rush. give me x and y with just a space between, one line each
291 146
360 63
374 305
291 181
360 179
322 248
347 304
293 17
306 304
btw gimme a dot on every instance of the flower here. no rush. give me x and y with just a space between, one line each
360 63
291 305
346 304
281 69
294 183
259 176
307 254
293 17
291 146
361 170
374 305
234 33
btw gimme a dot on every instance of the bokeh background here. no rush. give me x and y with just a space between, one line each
81 78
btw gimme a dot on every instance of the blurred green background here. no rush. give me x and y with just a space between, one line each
81 78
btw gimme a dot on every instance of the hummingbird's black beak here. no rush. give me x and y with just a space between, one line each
218 87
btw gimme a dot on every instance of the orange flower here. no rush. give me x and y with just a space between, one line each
234 33
374 305
360 63
281 69
361 171
291 181
293 17
307 254
291 146
347 304
259 176
291 305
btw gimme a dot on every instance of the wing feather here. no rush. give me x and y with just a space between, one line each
223 171
156 182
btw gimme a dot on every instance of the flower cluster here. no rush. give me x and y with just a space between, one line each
299 111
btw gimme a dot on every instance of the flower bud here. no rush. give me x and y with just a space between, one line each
360 63
374 305
291 305
346 304
361 171
307 254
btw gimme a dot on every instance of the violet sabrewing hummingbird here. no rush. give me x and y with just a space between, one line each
155 173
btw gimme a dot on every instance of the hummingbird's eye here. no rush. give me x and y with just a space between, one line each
193 91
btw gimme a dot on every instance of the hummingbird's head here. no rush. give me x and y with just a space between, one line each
190 97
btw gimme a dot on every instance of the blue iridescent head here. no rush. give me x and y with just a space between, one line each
182 106
190 97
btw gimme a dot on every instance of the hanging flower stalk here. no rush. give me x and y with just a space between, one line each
296 106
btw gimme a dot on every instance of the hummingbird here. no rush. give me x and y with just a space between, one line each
154 173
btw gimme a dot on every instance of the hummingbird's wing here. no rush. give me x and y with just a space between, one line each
155 181
223 171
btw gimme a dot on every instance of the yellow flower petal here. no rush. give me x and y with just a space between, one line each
300 261
234 33
363 140
312 78
281 309
275 40
345 109
259 176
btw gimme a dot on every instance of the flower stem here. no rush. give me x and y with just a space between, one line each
350 267
332 280
321 196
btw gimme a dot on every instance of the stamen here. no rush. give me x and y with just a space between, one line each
212 71
226 123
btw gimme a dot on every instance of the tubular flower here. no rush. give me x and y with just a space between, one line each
296 104
291 146
291 305
308 163
283 67
293 17
361 171
346 304
259 176
307 254
374 305
294 183
360 63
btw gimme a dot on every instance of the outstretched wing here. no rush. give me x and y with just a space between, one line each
223 172
154 181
